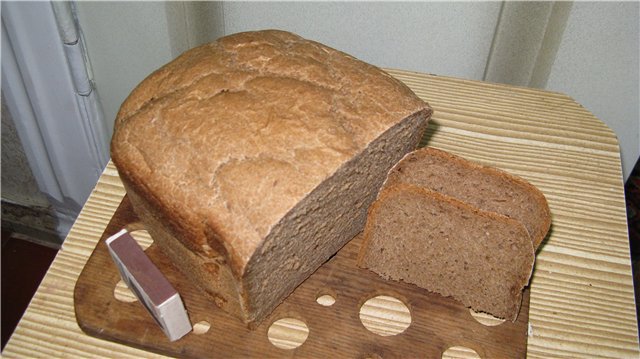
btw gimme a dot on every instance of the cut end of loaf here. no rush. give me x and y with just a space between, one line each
326 219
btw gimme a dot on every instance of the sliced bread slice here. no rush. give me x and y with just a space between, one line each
419 236
486 188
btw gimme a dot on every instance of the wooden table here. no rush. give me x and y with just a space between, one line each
582 300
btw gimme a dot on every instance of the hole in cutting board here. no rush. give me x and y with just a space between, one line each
122 293
486 319
143 238
201 327
326 300
460 353
385 315
288 333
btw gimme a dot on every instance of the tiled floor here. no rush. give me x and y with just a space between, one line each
24 264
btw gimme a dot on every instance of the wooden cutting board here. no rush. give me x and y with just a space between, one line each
436 323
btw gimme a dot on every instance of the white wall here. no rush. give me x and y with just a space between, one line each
597 65
596 48
444 38
586 50
125 42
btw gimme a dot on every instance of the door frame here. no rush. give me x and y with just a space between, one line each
61 130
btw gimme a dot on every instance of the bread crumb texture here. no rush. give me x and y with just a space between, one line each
422 237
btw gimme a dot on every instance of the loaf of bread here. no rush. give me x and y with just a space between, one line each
456 228
253 159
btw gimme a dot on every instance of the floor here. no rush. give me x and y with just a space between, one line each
24 263
632 194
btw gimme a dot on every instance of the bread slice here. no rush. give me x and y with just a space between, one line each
253 159
486 188
419 236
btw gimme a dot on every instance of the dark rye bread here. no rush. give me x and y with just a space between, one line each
253 159
419 236
486 188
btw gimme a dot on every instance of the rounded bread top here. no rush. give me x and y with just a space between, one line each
231 135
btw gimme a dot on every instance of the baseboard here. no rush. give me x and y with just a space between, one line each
41 225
